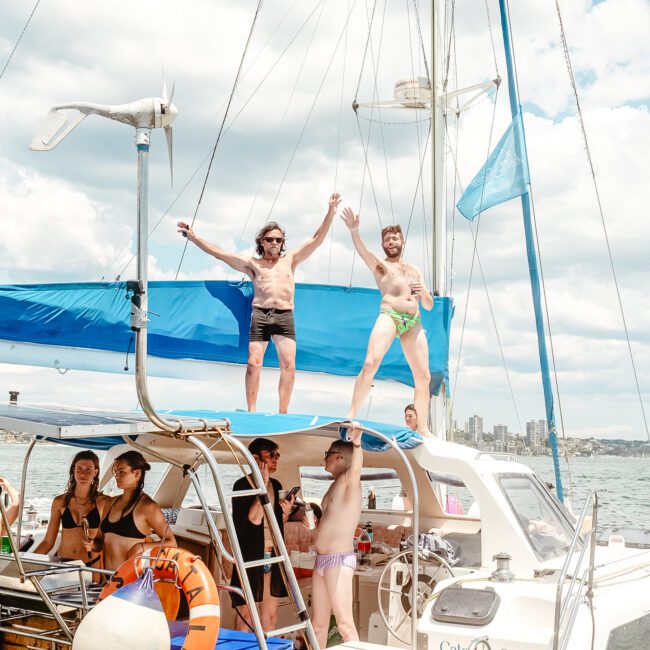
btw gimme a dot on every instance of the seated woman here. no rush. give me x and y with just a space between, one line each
13 509
77 511
132 516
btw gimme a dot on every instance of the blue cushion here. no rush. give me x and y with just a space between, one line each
233 640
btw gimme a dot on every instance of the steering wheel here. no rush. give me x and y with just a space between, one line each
425 586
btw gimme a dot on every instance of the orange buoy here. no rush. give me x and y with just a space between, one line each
192 577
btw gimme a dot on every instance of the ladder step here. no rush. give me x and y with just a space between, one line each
246 493
286 630
277 559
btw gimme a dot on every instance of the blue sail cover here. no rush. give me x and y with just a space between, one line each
209 321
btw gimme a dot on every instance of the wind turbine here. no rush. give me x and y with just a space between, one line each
143 114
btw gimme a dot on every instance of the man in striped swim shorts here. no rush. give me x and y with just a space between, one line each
335 559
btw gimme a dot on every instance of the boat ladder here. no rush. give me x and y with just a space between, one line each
580 588
281 556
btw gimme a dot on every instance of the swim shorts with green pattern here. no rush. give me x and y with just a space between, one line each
403 321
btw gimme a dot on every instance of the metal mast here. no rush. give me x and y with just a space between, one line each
531 253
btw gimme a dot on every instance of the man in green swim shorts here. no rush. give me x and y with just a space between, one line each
402 292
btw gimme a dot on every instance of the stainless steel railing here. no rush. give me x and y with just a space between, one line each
567 603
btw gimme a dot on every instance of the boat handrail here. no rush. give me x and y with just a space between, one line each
215 536
562 603
497 455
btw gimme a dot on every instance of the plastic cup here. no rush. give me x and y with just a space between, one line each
6 545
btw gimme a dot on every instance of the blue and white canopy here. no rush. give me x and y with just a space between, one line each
104 429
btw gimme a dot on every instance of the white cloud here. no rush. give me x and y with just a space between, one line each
70 214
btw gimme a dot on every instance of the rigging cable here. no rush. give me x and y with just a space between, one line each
419 187
541 266
225 116
338 145
365 152
475 256
600 209
303 60
375 66
230 124
11 54
311 109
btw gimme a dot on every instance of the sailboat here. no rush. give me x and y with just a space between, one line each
515 571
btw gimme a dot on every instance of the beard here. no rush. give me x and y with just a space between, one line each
395 253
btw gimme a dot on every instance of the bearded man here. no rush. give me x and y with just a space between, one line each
402 291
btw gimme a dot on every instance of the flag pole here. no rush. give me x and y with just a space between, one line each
531 253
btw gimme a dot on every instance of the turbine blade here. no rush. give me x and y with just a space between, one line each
164 90
171 97
169 134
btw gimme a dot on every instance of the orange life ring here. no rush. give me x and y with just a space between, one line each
193 577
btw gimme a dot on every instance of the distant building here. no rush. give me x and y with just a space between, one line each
475 428
500 432
536 433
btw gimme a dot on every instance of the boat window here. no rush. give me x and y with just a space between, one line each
454 494
548 531
384 482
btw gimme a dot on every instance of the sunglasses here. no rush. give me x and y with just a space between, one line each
276 240
273 455
329 453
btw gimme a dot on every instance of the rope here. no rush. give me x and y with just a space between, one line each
583 130
11 54
225 116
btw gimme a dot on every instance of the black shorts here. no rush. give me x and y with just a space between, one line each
266 322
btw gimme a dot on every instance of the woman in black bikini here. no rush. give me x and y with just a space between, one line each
132 516
77 511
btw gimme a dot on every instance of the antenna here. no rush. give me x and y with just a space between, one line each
145 115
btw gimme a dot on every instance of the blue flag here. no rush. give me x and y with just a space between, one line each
504 176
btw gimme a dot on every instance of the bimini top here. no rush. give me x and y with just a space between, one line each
209 321
104 429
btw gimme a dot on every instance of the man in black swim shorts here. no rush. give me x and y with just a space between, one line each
272 273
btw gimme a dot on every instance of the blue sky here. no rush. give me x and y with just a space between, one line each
69 214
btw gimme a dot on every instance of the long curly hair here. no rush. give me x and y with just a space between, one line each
72 481
135 460
271 225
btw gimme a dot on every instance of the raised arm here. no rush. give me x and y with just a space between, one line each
237 262
420 290
353 474
351 220
301 253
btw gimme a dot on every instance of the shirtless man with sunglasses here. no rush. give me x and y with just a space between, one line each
272 274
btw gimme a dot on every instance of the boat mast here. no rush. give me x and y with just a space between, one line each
515 110
438 404
437 152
